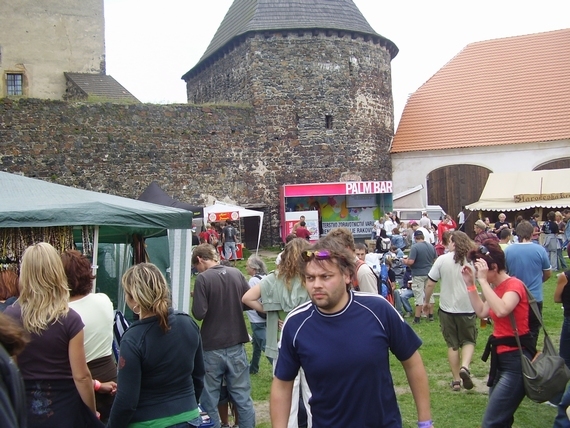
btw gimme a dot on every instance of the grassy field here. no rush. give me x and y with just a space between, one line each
449 409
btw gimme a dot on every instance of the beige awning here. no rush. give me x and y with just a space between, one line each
516 191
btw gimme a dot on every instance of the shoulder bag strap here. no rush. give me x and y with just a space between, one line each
534 305
516 331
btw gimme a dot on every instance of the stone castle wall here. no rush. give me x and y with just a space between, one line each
267 128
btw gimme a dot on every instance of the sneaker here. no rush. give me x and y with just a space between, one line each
430 318
407 315
416 321
224 426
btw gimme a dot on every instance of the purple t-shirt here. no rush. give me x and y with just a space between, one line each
47 355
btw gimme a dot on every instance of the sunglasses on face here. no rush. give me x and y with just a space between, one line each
309 255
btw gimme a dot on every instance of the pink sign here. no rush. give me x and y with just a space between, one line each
333 189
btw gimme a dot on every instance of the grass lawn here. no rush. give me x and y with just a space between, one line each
449 409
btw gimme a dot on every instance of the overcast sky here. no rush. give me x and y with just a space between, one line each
150 44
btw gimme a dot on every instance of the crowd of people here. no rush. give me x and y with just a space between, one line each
305 317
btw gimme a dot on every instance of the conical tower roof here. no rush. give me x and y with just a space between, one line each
248 16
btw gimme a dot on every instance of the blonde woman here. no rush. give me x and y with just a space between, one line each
161 367
59 388
281 292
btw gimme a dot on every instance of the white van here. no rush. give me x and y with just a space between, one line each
434 212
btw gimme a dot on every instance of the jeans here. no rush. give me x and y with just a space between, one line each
403 297
507 393
560 258
258 331
561 420
232 364
230 252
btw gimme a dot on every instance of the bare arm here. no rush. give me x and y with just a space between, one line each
280 402
80 371
418 381
561 282
251 298
546 274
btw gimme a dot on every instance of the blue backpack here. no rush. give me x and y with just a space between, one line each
383 280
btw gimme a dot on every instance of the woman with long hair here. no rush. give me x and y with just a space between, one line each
281 292
161 367
59 387
96 311
504 295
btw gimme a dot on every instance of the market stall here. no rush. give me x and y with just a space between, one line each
519 191
351 204
34 210
222 212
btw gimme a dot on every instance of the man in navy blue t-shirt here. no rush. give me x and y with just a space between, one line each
342 340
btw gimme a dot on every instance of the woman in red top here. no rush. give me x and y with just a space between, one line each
503 295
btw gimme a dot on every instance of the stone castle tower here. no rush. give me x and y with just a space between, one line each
319 80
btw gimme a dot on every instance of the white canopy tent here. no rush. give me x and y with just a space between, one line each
222 207
517 191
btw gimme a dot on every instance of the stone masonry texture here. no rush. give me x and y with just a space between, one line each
257 119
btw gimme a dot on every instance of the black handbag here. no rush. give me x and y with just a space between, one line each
546 375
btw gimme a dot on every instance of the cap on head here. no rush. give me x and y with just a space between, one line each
418 234
413 223
481 224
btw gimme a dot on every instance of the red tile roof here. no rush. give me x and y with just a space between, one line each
504 91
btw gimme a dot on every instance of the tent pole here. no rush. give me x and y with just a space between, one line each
94 266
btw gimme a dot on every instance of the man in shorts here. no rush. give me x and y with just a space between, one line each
421 258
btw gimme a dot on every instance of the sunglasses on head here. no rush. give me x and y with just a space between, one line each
484 250
309 255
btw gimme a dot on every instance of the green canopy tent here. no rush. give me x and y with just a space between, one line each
32 203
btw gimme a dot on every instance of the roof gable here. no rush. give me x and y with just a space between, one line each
246 16
505 91
102 86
